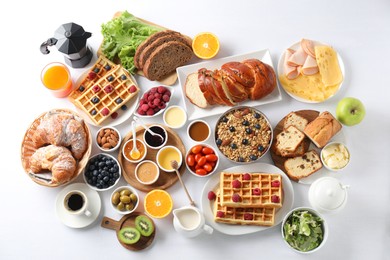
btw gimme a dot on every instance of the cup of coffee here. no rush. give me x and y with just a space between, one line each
76 203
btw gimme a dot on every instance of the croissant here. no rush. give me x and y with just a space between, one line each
57 159
233 83
61 129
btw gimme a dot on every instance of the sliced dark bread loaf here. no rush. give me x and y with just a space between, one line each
145 53
165 59
149 41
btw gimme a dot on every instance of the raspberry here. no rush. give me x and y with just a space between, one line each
220 214
108 89
166 98
150 112
248 216
236 197
153 90
133 89
246 176
91 75
114 115
275 183
211 195
275 199
162 105
105 111
144 107
256 191
161 89
156 101
150 98
157 95
96 89
236 184
141 112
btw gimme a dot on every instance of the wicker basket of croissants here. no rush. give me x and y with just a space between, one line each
56 147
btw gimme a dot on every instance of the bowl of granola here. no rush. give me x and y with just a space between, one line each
243 134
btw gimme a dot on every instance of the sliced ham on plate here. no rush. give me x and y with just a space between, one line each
308 47
290 71
310 67
298 58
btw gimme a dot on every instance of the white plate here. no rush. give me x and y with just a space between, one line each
195 112
123 115
295 46
172 90
213 182
82 220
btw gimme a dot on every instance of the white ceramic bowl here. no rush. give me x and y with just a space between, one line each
147 136
325 229
102 135
192 124
88 171
119 189
191 169
333 154
128 143
160 154
175 112
137 172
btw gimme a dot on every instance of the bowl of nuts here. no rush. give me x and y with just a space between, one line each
108 139
243 134
124 199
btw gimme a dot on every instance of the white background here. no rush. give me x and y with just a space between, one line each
359 30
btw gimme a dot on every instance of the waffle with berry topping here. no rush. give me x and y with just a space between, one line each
248 190
243 216
107 95
102 67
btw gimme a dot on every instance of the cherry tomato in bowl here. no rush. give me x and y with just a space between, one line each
202 160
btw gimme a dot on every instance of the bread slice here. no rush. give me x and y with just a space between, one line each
294 119
193 92
322 129
165 59
288 141
303 166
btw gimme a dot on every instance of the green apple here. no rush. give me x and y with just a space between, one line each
350 111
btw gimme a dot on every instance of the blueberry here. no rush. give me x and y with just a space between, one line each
224 119
260 148
116 175
91 167
101 165
123 77
96 70
248 130
105 186
110 78
232 128
81 88
257 115
218 141
241 159
253 157
245 141
95 100
124 107
95 173
93 112
99 186
94 179
245 122
257 126
106 179
107 67
118 100
233 146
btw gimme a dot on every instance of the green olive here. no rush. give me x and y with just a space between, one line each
130 206
133 198
115 198
125 199
120 206
125 192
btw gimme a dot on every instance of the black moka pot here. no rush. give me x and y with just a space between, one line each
71 40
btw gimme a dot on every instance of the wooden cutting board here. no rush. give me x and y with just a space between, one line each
278 160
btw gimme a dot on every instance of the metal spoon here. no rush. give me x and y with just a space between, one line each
134 153
138 120
175 166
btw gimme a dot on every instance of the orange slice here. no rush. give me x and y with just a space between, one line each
205 45
158 203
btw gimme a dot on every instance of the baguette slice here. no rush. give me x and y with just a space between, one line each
303 166
193 92
288 141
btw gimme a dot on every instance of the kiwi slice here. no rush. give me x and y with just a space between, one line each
129 235
144 225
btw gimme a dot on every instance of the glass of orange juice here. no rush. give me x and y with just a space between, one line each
56 77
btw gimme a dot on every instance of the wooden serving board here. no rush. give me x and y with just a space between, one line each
170 79
129 221
278 160
166 179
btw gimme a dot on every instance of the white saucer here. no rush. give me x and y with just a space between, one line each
82 220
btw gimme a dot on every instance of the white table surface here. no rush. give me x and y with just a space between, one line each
359 30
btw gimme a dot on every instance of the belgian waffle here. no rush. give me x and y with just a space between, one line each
243 216
102 67
107 95
260 190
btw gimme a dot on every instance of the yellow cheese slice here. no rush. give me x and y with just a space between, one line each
308 87
328 65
